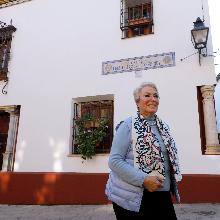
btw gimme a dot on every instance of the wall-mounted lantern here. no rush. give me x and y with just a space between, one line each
199 37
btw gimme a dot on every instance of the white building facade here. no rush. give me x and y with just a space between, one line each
66 52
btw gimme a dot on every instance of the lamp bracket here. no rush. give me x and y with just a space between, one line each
203 52
184 58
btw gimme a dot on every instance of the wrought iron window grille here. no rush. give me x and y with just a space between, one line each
136 18
97 110
6 32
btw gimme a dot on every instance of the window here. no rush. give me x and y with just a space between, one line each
97 109
5 46
136 18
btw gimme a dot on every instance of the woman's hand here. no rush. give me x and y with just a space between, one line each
152 183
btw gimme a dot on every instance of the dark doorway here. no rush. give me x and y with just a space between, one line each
4 125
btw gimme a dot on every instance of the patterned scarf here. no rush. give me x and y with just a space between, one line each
147 153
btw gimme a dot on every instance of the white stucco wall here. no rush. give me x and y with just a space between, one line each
57 53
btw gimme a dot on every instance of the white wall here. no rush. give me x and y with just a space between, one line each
57 53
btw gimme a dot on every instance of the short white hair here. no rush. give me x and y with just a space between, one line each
137 91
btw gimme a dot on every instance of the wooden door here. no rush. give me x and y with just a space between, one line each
4 125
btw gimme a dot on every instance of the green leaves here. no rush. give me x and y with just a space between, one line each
90 132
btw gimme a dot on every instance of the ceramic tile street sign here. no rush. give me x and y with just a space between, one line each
139 63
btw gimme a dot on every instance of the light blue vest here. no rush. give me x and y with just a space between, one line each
124 186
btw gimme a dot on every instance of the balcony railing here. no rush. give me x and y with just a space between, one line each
137 20
137 15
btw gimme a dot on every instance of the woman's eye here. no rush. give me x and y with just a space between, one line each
147 96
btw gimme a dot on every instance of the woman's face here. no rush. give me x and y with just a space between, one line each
149 101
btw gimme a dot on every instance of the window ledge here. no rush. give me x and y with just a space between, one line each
141 35
79 155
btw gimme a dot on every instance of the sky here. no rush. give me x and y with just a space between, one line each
214 12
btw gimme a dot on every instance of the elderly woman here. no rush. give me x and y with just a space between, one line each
144 163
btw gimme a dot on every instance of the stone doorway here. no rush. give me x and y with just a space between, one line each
9 118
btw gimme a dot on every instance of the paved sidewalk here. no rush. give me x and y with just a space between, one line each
98 212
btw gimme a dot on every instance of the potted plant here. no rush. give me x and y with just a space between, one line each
90 132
